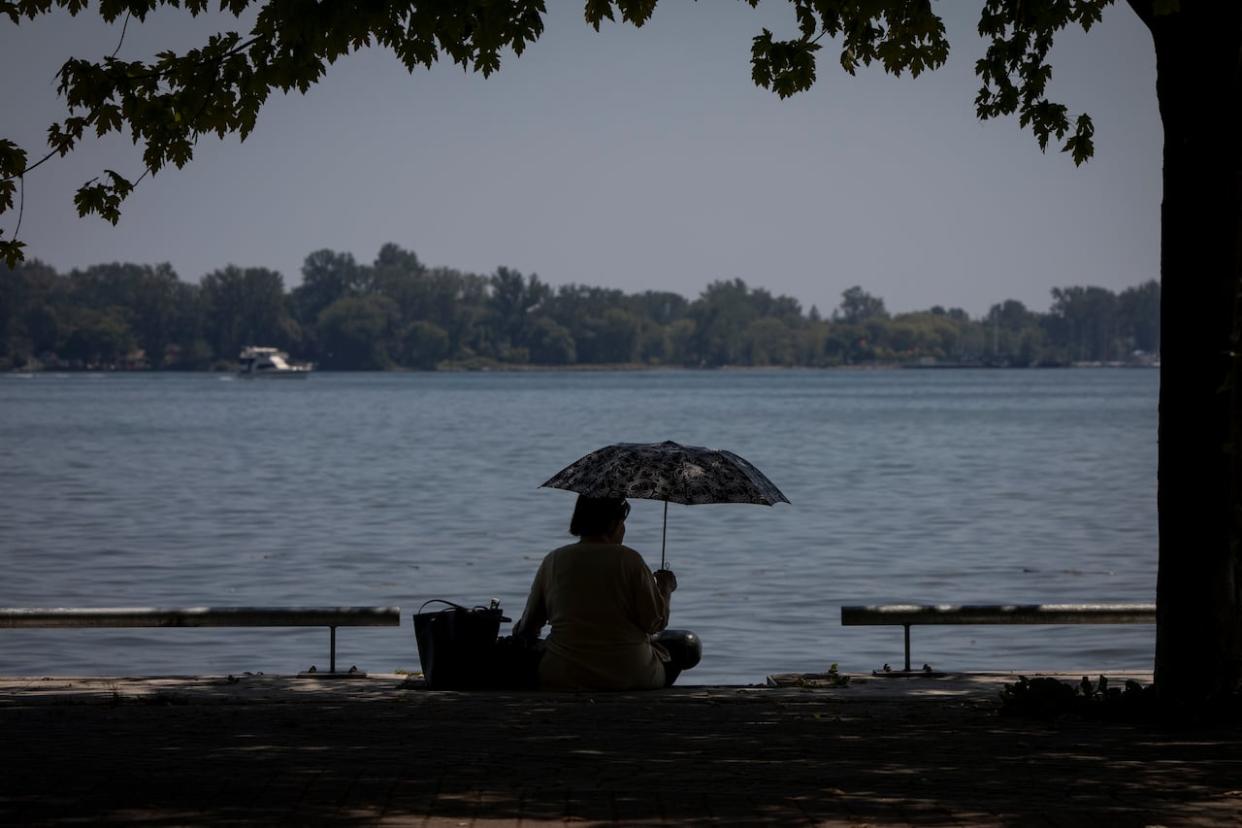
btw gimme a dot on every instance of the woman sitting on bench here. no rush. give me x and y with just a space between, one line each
608 612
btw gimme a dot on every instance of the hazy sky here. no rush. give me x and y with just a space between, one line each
632 158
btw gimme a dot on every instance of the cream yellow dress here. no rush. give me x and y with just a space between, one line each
602 603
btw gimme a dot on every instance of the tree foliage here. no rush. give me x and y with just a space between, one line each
399 313
166 103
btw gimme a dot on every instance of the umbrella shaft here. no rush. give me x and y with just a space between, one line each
664 537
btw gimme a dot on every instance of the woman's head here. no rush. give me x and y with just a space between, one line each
599 517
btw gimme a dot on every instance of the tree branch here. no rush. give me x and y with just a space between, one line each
21 205
32 166
124 28
240 47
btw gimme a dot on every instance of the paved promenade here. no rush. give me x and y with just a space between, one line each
261 750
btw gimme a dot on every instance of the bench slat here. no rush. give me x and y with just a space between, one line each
918 614
40 617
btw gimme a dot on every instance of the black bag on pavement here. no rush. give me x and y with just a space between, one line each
456 645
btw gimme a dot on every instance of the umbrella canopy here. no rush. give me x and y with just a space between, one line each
670 472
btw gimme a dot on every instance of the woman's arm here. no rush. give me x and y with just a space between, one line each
536 613
651 597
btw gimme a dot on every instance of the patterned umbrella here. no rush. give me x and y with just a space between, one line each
670 472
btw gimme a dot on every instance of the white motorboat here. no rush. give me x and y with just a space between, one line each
269 362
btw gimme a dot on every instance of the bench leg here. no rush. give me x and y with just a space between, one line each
352 672
907 626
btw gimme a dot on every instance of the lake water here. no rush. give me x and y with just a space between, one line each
391 489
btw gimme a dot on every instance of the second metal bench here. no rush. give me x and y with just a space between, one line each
908 615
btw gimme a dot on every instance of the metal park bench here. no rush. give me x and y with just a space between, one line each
907 615
330 617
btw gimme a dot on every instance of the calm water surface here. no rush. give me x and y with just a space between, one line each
390 489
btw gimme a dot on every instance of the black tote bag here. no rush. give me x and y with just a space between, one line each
456 645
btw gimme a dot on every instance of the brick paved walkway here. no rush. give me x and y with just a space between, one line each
266 749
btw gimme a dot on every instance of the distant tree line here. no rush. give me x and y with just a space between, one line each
399 313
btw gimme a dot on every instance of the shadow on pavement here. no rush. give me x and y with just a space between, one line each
692 755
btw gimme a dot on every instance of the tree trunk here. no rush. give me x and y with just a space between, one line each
1199 588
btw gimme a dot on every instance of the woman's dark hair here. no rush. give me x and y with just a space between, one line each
596 515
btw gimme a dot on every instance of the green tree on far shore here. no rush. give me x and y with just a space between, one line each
397 313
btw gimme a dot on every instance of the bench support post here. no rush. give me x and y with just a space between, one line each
352 672
907 626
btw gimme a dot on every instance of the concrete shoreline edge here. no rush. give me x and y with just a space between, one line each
261 687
